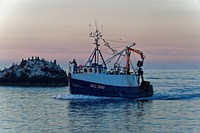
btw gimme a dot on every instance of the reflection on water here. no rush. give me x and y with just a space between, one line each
107 115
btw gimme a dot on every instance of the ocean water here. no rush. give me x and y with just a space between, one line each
175 107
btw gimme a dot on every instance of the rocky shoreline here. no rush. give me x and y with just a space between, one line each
34 72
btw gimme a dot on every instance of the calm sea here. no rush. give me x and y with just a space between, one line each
175 107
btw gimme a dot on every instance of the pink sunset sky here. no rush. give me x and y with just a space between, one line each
167 31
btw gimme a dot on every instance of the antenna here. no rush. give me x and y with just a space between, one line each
90 30
96 35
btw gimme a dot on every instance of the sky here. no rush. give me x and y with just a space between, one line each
167 31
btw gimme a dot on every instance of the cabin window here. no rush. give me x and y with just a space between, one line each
85 70
90 70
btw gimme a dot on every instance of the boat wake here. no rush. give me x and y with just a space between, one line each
81 97
169 94
155 97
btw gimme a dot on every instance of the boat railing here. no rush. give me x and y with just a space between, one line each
86 69
120 71
99 70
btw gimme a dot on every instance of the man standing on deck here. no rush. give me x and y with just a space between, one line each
75 66
140 71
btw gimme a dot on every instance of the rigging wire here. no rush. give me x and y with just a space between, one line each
112 48
117 41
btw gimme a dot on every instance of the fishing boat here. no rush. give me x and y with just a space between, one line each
98 77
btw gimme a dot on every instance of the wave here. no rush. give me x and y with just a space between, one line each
153 78
173 97
172 78
184 97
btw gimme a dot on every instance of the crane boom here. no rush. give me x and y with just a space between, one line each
138 52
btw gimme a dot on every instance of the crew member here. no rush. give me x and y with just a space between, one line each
75 66
140 71
140 74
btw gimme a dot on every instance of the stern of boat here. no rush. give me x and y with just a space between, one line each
146 88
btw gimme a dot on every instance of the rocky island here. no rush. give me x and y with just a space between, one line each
34 72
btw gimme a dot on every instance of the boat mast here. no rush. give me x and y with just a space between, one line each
127 60
96 55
